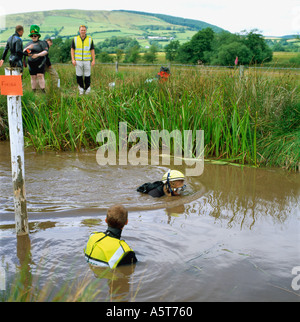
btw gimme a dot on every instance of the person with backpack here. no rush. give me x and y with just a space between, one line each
172 184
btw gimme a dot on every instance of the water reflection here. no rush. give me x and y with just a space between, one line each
25 265
118 280
241 197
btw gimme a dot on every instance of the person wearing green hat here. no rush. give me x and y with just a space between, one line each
36 50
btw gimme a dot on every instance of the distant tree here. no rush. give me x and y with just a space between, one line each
133 43
150 55
278 46
104 57
185 53
224 38
111 45
171 50
56 32
119 55
228 52
64 54
54 51
132 55
197 48
60 51
201 42
258 46
223 48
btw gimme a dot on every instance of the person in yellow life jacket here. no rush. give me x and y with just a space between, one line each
82 53
107 249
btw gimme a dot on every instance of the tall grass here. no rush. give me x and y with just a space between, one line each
254 120
94 284
28 287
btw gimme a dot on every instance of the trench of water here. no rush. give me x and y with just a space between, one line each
232 235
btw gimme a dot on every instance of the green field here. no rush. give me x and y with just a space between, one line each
285 59
101 25
280 60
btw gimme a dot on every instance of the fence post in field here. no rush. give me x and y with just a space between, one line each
117 66
16 138
241 70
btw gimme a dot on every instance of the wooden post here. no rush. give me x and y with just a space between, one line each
241 71
117 66
17 157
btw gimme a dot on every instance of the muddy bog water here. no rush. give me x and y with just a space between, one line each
232 235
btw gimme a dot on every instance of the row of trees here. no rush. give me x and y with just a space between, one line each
206 46
209 47
191 24
132 55
284 45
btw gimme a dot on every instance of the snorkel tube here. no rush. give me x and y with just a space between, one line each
168 183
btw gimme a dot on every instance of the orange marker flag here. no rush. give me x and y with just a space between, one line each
11 85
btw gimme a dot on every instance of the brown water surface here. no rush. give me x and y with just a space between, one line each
232 235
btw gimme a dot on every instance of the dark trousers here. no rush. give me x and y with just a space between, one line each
84 82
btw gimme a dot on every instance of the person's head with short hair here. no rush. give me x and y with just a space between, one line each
19 30
117 216
82 31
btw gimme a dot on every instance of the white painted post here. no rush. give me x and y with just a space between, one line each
17 157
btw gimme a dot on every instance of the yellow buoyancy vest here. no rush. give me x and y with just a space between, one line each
83 48
103 250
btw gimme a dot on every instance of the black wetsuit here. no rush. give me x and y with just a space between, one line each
157 192
155 189
15 45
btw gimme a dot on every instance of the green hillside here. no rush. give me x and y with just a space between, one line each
105 24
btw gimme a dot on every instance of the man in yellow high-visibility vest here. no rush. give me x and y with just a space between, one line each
82 53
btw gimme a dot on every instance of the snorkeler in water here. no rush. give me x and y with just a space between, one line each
172 184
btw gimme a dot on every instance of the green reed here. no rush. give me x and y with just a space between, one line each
252 120
27 286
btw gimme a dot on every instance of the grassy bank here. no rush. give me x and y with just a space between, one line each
254 120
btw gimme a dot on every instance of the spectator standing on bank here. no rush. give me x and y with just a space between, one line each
49 68
37 50
15 45
82 53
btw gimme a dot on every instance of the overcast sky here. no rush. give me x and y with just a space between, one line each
273 18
